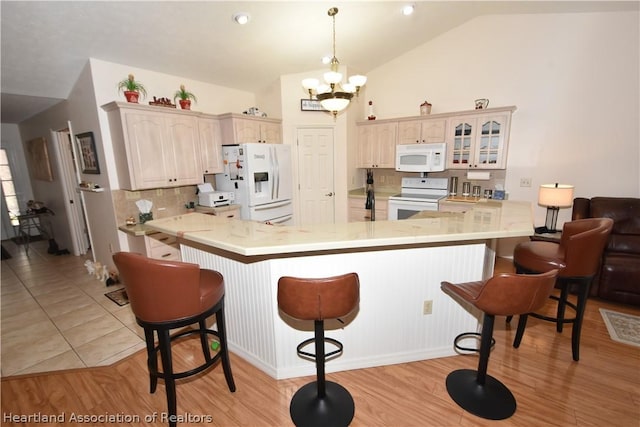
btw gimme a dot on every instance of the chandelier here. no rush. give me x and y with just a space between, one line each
334 96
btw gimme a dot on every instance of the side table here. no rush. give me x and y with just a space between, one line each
547 237
33 221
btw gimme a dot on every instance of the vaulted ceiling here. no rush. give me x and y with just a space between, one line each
46 44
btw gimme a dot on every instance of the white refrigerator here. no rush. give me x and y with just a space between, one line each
260 175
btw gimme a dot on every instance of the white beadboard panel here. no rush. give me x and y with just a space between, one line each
248 306
388 326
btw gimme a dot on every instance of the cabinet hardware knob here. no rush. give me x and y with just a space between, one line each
329 194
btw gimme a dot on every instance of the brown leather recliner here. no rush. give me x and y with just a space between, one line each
165 295
618 278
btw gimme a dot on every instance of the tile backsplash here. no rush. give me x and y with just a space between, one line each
166 201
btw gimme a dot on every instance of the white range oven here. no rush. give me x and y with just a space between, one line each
417 194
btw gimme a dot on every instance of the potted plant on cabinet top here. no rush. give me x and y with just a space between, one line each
185 98
132 89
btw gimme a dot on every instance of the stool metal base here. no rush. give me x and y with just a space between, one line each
335 409
493 400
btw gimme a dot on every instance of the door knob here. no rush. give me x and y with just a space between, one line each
329 194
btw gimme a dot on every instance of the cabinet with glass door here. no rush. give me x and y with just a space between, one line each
478 141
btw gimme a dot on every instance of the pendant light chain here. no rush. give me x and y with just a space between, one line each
334 10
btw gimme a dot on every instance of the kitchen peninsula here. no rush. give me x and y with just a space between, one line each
400 264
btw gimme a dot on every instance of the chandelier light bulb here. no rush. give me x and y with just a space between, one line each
348 87
332 77
358 80
408 9
323 88
310 83
241 18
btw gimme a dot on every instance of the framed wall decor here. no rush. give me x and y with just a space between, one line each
311 105
88 155
39 163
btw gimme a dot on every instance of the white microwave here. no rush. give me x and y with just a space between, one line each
420 157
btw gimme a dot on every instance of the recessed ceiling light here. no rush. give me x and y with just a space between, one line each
241 18
408 9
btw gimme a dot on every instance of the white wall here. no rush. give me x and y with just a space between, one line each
574 78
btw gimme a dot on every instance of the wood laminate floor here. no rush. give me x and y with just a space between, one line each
602 389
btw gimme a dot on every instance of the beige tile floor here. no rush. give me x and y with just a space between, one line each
54 316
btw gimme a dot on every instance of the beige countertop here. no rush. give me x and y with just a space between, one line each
137 230
489 220
142 230
381 193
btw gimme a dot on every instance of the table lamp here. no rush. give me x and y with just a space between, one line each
554 197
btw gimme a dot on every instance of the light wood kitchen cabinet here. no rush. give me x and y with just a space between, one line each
210 144
156 245
425 131
357 212
376 145
239 129
230 211
154 149
478 141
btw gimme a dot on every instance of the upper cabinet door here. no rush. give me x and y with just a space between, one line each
239 129
210 145
491 150
461 144
426 131
478 141
246 131
271 133
185 167
146 150
376 145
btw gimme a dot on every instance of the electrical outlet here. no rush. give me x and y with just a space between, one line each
132 195
159 192
525 182
427 306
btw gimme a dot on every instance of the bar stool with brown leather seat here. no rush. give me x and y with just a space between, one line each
577 257
501 295
320 403
166 295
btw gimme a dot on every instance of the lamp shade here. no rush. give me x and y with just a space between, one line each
310 84
358 80
334 103
556 195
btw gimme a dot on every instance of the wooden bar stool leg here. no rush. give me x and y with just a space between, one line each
152 360
562 304
224 349
164 340
204 340
583 295
522 324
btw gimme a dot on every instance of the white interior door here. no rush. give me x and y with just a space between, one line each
74 201
315 176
